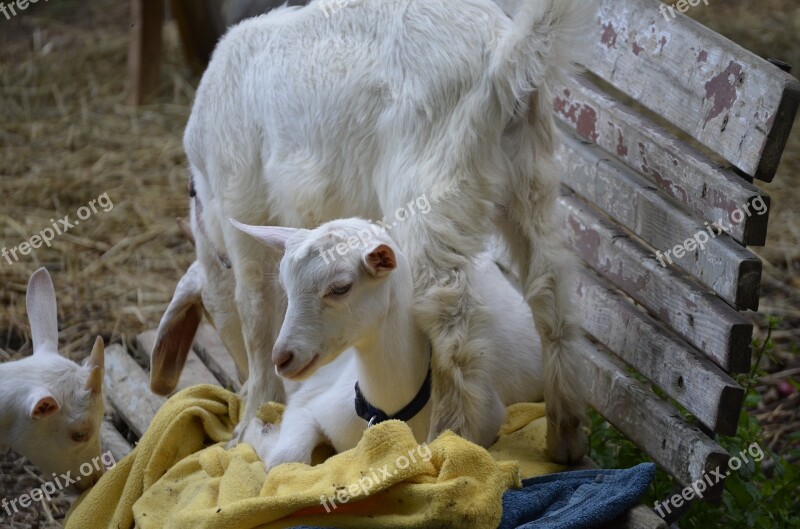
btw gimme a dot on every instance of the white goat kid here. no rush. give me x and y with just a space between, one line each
51 408
304 116
351 321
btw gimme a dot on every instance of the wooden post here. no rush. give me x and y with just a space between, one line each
144 52
200 25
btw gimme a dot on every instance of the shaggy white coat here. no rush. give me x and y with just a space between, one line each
308 114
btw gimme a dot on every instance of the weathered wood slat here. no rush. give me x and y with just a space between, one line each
657 428
683 373
128 390
211 350
695 314
676 168
194 372
728 99
113 441
200 25
724 266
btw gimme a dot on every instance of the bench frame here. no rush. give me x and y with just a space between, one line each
643 138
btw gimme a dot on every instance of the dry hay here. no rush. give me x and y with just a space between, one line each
18 476
67 138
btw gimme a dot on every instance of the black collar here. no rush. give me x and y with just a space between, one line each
373 415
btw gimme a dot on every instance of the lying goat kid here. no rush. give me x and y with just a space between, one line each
51 408
350 335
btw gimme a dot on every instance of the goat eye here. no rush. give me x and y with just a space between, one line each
80 437
339 290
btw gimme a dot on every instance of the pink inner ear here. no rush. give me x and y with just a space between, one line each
382 258
45 407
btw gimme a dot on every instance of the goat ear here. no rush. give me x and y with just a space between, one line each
273 236
176 331
95 381
41 305
43 404
380 260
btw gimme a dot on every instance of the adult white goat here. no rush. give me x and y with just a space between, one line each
351 322
51 408
306 114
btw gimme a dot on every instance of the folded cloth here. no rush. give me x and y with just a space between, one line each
180 476
572 500
186 424
575 500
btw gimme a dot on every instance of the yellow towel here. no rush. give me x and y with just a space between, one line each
180 476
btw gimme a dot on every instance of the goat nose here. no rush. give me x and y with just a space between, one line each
283 358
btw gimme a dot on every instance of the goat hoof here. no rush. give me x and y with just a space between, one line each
566 445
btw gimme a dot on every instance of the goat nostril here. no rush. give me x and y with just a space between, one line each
284 359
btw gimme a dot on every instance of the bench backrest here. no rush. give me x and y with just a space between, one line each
633 188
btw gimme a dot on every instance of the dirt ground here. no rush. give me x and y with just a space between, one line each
67 137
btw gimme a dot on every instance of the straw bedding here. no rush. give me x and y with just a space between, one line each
68 137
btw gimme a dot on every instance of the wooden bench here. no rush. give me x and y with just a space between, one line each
632 187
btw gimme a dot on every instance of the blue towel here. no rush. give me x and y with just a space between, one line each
575 500
572 500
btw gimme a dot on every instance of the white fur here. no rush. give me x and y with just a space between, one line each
306 114
48 377
369 335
